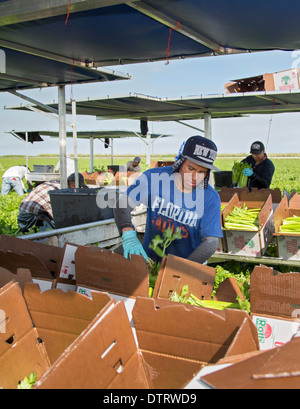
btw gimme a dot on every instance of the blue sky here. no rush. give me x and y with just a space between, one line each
196 76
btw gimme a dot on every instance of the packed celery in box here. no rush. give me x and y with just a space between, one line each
290 225
242 219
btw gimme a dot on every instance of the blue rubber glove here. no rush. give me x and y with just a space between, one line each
248 172
132 245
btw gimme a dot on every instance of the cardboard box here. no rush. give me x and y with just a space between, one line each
250 243
45 257
288 245
244 194
107 271
277 81
175 272
277 368
275 305
176 340
104 356
104 270
174 343
60 317
21 350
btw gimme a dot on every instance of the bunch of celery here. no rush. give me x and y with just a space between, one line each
291 225
193 300
242 219
237 173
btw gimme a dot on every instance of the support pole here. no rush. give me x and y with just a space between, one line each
75 142
207 125
62 136
112 151
148 153
91 154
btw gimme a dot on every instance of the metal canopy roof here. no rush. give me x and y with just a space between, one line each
103 134
24 71
58 42
186 108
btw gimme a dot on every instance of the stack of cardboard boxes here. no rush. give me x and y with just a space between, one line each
81 317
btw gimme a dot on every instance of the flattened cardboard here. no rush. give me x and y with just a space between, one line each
21 351
107 271
104 356
273 369
175 272
50 256
177 336
60 317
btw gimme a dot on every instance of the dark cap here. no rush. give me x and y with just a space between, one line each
137 159
257 147
201 151
71 178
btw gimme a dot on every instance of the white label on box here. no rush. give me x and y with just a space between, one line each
128 302
68 264
286 80
43 284
273 332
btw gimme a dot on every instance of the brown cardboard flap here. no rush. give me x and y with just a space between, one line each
245 340
60 317
277 368
255 194
12 261
294 201
283 363
228 291
177 272
274 293
22 276
188 333
49 255
103 356
108 271
20 351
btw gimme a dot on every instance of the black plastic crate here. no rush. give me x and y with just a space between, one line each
223 178
43 168
72 207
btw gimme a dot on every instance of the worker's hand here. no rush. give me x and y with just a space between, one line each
248 172
132 245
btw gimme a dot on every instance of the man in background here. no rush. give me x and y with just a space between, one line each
134 165
35 209
13 179
261 174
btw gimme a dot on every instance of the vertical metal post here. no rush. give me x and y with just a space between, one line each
26 151
91 154
207 125
75 142
62 136
148 154
112 151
